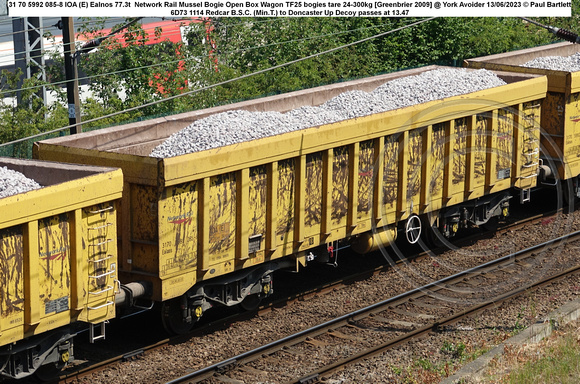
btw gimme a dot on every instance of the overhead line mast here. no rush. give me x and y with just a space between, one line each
71 71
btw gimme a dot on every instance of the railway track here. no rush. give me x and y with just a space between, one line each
84 371
372 330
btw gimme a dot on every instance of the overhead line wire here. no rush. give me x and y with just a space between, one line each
223 82
45 51
56 83
44 26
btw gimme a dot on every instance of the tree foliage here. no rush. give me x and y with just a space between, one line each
124 74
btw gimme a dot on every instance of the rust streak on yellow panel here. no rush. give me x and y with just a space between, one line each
203 243
242 214
390 178
438 162
178 228
313 195
378 172
328 161
286 206
272 199
257 211
353 185
492 129
414 164
300 200
366 166
428 148
519 124
125 259
459 164
79 259
14 283
403 175
470 155
54 264
222 220
448 159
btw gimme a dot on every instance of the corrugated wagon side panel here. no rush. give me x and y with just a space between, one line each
143 228
223 195
459 157
390 178
54 278
560 118
529 142
12 284
572 131
178 237
256 218
314 194
364 166
285 198
434 165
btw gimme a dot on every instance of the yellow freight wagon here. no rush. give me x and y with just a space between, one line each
58 256
560 108
209 227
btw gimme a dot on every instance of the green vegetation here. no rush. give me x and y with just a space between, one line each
554 360
452 356
560 364
131 75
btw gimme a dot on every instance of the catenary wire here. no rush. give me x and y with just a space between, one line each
138 40
58 83
223 82
45 51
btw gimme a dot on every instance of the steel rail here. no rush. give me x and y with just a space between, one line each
320 328
77 373
315 375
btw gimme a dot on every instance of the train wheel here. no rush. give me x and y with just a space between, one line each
434 237
251 302
492 224
48 372
172 317
569 195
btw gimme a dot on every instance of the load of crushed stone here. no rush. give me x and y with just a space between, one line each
556 63
13 182
238 126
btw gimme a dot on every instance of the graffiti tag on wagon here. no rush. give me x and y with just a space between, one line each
180 219
55 254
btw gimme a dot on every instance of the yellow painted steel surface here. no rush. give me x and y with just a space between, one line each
209 213
560 119
58 253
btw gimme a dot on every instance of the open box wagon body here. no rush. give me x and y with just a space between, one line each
560 122
202 224
58 256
